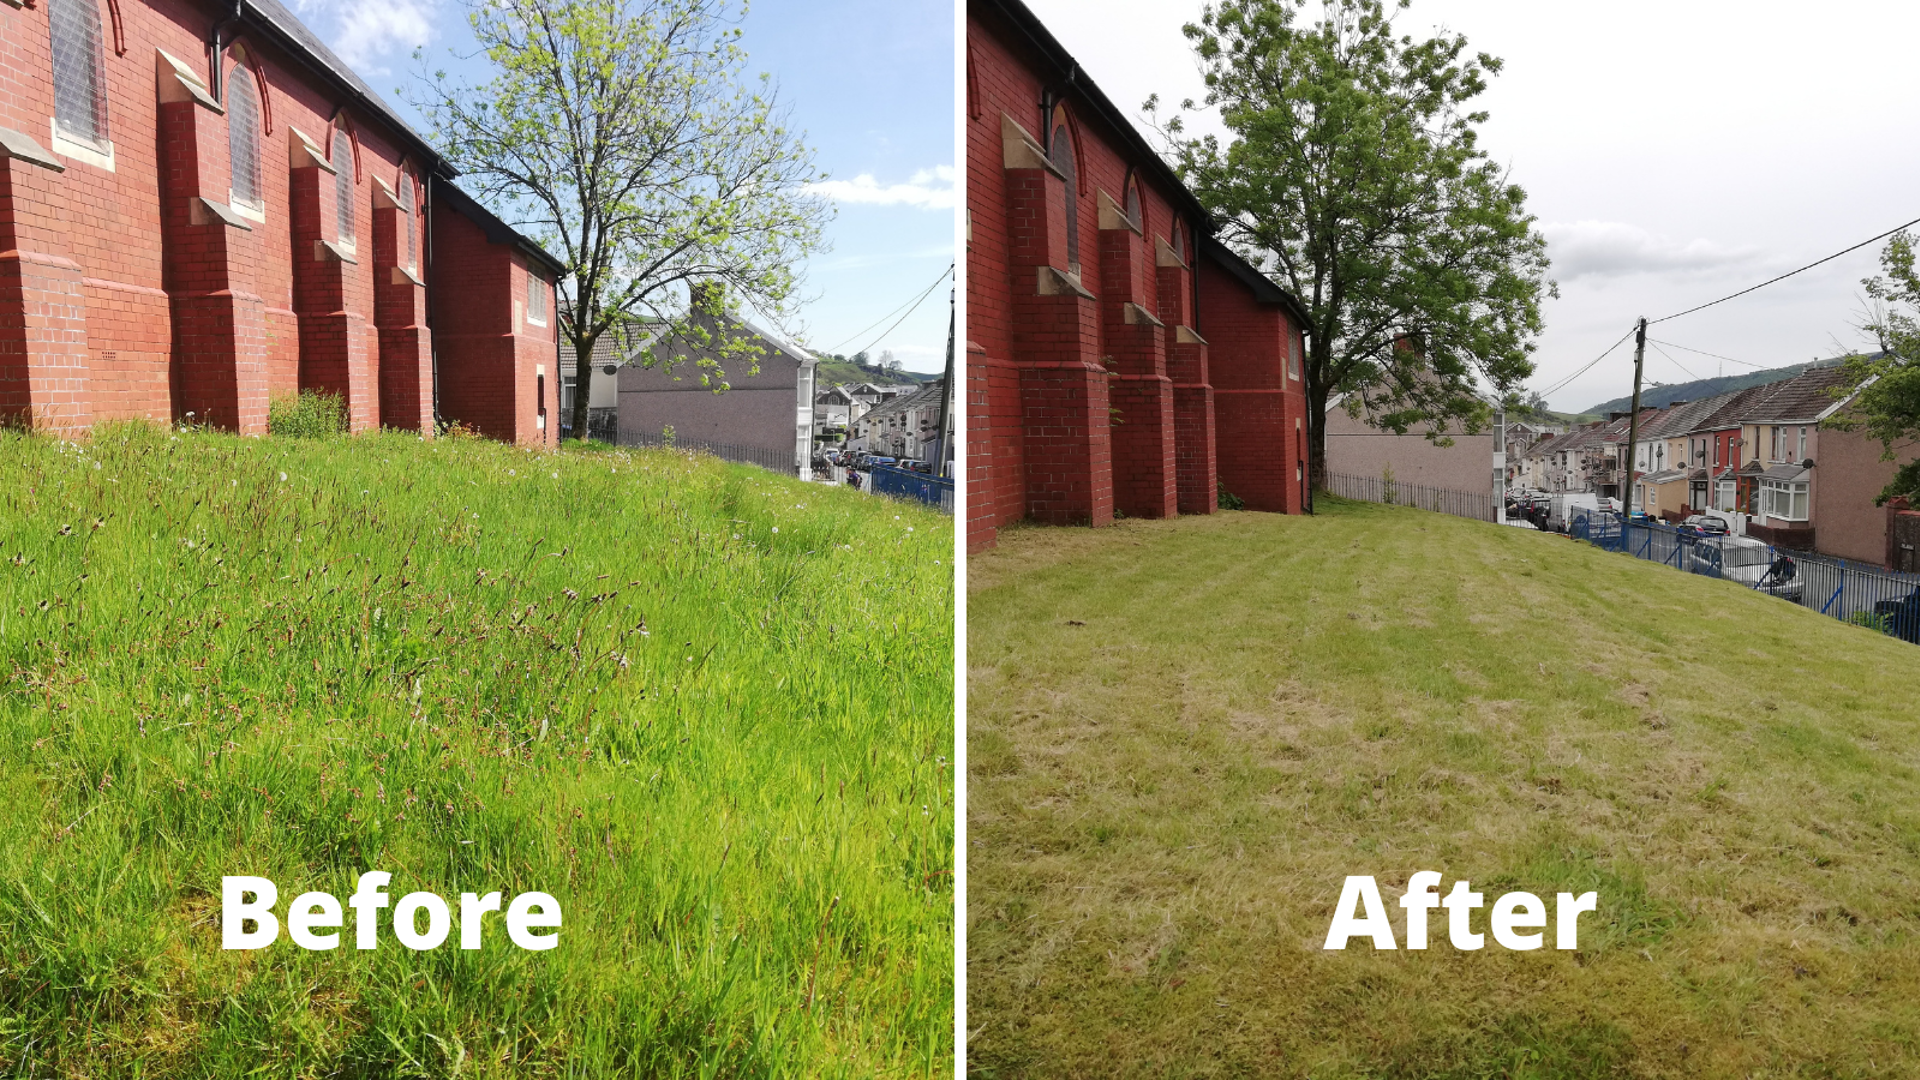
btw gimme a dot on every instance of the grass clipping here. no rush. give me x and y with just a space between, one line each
1182 735
707 707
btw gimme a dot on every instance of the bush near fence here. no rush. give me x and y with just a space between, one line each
1859 593
1477 505
780 461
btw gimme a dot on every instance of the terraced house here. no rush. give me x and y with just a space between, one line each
203 208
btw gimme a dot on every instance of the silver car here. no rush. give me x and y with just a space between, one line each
1749 562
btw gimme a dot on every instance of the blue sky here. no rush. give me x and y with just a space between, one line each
871 83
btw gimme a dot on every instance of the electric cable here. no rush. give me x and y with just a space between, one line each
1703 352
915 302
1670 359
1785 276
1557 387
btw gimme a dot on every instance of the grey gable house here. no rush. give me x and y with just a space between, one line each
765 417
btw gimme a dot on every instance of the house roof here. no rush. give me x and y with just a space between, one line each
1805 397
1789 471
926 393
1727 415
1664 476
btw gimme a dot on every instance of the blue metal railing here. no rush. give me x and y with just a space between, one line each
935 491
1849 591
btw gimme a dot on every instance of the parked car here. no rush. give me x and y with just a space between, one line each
1705 525
1903 616
1749 562
877 461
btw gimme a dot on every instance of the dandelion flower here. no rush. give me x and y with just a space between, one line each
776 528
556 476
283 478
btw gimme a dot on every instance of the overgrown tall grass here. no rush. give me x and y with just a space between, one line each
708 708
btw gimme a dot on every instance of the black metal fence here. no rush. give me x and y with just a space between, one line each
1852 592
903 484
780 461
1477 505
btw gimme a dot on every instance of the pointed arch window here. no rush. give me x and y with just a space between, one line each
343 185
404 187
1131 201
1060 152
79 72
243 139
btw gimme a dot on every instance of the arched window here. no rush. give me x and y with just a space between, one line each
1178 242
343 184
404 188
1132 200
1060 152
243 138
79 71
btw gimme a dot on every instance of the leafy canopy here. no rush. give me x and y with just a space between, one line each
623 136
1888 405
1354 175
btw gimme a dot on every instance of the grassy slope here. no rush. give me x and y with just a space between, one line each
1164 801
302 659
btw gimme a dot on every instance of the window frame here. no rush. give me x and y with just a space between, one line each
95 149
242 75
536 287
346 212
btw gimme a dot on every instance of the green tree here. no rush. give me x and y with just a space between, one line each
1887 406
624 136
1353 173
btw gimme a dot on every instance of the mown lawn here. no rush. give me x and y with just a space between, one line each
1183 735
707 708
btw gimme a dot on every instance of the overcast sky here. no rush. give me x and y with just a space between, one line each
1673 153
871 82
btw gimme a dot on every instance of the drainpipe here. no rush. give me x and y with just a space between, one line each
433 348
214 45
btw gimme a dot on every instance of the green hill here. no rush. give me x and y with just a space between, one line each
1664 394
1184 734
829 372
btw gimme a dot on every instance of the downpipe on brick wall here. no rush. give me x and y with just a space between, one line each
213 52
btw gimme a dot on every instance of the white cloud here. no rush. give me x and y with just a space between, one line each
368 33
1607 249
928 189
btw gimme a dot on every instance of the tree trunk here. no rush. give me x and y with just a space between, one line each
582 384
1316 441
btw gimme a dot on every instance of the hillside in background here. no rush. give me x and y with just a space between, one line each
829 372
1665 394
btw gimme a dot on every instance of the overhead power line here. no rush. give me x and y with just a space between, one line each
915 302
1557 387
1676 363
1788 274
1716 356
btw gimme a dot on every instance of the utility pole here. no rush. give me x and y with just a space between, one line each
1633 427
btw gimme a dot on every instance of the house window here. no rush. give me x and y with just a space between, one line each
536 300
343 185
540 395
1802 455
1725 497
1060 153
1787 501
79 63
243 139
1293 356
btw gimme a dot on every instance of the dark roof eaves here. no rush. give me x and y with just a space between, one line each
1070 72
1264 290
497 231
292 35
